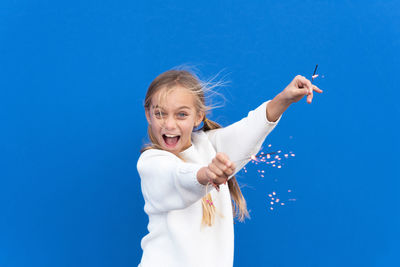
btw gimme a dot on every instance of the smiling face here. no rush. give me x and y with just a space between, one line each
172 115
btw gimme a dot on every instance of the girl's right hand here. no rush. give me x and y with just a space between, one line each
217 172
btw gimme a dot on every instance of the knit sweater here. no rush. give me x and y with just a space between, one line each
173 196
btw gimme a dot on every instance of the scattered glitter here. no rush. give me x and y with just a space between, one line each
275 201
263 160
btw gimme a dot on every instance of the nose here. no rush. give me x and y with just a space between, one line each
169 123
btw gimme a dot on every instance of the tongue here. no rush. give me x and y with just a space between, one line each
171 141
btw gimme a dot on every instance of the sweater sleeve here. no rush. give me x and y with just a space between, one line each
167 182
243 138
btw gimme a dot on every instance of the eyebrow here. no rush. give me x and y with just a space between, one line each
182 107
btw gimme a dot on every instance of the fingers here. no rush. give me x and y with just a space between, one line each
223 163
211 179
316 89
303 82
307 87
222 158
216 170
310 96
220 169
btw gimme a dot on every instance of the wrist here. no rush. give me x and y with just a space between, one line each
276 107
282 100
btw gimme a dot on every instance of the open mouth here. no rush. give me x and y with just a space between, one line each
171 140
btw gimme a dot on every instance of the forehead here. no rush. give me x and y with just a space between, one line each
173 98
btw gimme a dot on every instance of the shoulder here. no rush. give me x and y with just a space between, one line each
199 136
149 153
155 159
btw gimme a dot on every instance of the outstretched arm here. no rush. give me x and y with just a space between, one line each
296 90
245 137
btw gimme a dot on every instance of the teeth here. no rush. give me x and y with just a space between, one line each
169 135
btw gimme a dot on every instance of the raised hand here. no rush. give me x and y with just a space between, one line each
299 87
296 90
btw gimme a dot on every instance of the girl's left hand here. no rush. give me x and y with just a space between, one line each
298 88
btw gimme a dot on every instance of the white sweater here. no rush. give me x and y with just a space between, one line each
173 195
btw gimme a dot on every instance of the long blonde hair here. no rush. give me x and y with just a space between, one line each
190 81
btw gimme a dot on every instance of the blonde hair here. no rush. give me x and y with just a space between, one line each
190 81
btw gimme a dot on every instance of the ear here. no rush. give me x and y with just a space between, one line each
199 118
147 112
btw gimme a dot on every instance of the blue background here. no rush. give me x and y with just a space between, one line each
73 75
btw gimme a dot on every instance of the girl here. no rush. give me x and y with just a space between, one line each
190 223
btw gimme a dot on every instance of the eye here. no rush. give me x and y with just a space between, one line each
182 115
159 114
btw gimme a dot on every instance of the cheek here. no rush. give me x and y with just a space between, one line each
155 128
187 128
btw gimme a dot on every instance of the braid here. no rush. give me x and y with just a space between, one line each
210 125
239 206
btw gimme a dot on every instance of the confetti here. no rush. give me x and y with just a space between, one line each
275 159
277 200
